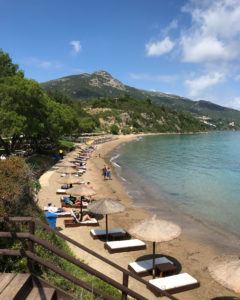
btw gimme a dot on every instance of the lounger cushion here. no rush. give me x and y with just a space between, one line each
61 191
173 282
92 221
125 244
102 232
146 265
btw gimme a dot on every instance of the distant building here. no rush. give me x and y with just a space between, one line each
232 124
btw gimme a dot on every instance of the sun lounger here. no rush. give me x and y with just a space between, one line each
173 284
125 245
84 204
99 233
144 267
76 223
57 211
61 191
72 223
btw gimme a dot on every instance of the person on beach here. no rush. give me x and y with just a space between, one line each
61 153
109 174
104 172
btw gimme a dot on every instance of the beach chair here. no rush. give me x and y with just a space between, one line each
144 267
57 211
100 233
61 191
173 284
125 245
76 223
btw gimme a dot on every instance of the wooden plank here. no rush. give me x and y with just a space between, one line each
14 287
5 279
39 293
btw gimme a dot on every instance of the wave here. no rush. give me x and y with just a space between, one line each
114 157
116 165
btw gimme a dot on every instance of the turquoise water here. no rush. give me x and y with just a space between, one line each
199 174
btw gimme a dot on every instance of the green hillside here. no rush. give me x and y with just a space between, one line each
102 85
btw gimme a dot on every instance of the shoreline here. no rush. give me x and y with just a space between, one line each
193 255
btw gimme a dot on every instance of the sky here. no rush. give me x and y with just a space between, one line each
189 48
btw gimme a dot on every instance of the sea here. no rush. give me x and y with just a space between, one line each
188 178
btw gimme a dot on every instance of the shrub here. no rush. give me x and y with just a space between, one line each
114 129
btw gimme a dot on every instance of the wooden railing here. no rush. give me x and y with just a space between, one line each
32 257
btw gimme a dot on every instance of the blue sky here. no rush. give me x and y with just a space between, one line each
189 48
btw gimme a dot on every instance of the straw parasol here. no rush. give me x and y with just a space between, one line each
155 230
82 190
69 179
66 164
67 170
105 207
226 271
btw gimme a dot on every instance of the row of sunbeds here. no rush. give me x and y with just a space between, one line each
174 283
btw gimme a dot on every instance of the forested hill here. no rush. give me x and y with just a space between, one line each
102 85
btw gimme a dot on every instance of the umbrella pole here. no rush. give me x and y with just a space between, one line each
81 211
154 253
106 227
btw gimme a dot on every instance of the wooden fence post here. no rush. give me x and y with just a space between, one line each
31 226
125 283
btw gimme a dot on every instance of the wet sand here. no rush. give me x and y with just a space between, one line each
192 250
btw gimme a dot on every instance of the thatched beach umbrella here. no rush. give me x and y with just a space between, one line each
105 207
69 179
155 230
226 271
82 190
66 164
67 170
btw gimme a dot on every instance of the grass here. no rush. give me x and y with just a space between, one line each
61 282
67 145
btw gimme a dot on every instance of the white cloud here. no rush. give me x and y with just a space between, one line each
76 46
172 26
237 77
205 48
41 63
214 31
234 102
150 77
159 47
197 86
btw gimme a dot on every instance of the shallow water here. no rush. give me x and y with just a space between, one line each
198 174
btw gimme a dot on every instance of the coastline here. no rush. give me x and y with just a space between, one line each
193 254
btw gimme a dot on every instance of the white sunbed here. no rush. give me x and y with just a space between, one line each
61 191
54 209
69 223
173 284
98 233
125 245
144 266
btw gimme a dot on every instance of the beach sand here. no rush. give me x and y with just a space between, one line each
192 252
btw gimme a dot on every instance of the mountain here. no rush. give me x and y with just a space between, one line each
101 85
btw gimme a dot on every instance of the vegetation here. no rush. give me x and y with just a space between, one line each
32 118
17 185
128 115
101 85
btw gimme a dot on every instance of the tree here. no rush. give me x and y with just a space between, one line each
23 111
114 129
7 68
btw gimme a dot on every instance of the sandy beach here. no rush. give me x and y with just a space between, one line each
193 251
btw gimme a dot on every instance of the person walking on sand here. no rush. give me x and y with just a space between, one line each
61 153
104 172
109 174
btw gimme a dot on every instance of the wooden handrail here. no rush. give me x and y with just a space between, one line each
34 239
